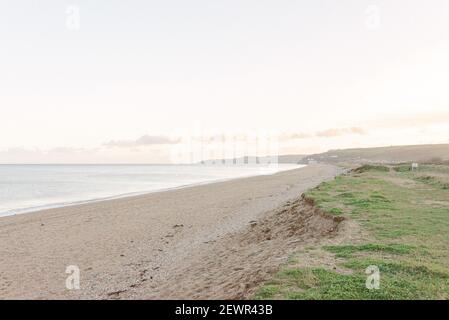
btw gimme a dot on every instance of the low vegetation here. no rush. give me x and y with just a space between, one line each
404 218
370 167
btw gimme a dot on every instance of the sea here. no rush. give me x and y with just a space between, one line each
30 188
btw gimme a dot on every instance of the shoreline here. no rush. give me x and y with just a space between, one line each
28 210
153 246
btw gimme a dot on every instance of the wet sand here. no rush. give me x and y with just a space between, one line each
218 240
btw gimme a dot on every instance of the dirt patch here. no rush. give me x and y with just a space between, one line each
401 182
237 264
436 203
349 232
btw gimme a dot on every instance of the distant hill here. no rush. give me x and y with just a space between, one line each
289 158
395 154
416 153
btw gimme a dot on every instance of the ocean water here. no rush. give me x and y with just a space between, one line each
27 188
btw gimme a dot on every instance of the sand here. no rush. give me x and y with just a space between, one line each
214 241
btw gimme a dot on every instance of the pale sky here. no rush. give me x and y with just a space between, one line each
125 81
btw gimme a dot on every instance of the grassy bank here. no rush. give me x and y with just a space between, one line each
404 219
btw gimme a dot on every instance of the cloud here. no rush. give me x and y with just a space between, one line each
413 120
145 140
295 136
54 155
328 133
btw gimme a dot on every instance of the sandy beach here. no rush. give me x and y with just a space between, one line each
213 241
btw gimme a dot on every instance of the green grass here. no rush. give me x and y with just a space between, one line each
403 168
347 251
405 215
434 181
325 284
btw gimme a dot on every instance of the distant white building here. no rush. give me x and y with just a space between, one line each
415 166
